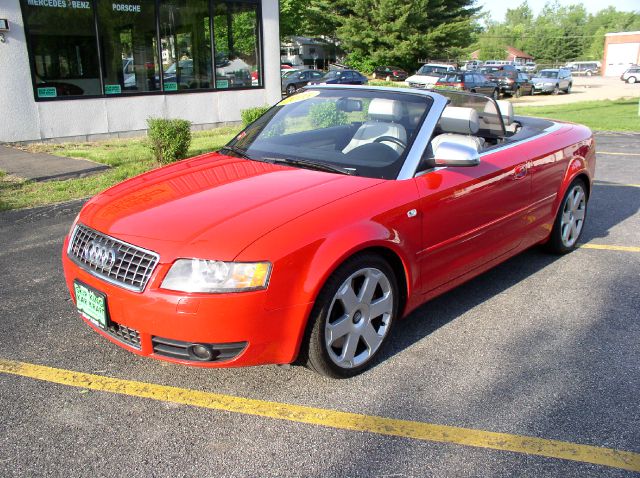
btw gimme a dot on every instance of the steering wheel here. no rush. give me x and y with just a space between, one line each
391 139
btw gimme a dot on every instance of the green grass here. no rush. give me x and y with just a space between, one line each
616 115
127 158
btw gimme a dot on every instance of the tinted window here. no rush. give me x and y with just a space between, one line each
236 29
64 51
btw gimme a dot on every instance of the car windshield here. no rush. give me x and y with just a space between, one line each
548 74
359 132
432 70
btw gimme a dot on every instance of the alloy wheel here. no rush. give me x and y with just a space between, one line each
573 213
359 318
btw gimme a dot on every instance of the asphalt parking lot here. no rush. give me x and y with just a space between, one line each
528 370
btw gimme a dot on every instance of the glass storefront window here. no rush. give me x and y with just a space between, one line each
236 38
62 38
185 37
129 46
116 47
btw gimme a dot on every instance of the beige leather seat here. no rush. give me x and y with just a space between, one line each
458 125
383 117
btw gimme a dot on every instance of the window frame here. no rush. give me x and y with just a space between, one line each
97 39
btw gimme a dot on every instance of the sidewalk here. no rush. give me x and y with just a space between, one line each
45 167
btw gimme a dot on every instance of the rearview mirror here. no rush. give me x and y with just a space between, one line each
448 153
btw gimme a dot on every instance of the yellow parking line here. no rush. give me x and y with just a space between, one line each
606 247
616 185
617 154
330 418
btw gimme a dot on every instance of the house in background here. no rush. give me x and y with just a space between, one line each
307 52
621 50
511 54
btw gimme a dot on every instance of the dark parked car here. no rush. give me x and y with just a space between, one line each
297 79
390 73
469 81
511 81
342 77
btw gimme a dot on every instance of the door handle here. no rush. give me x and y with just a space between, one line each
520 171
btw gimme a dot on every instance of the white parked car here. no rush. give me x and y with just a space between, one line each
428 75
632 75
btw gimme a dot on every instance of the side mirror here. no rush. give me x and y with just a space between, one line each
449 153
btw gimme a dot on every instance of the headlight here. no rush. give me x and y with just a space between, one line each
198 275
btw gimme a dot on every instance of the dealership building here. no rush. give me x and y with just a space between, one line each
92 69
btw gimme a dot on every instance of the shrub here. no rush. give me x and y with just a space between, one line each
363 64
251 114
326 115
169 139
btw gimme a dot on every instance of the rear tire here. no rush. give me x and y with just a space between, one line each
569 222
352 317
388 78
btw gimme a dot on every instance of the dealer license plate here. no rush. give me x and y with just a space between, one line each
92 304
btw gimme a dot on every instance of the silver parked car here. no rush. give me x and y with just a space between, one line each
552 81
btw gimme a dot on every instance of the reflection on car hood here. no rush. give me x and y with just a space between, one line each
424 78
212 206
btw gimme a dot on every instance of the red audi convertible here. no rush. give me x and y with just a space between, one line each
336 213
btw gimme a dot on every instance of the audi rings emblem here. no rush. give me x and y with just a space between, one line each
100 255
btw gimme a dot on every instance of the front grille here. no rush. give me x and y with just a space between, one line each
131 266
124 334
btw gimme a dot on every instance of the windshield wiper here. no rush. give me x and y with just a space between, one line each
234 149
303 163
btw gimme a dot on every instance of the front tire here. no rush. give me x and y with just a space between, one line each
556 90
569 222
352 317
631 80
291 89
495 95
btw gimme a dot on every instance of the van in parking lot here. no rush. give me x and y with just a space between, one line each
587 68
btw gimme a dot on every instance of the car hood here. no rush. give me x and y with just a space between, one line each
541 79
427 79
212 206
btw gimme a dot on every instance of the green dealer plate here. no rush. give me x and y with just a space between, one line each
92 304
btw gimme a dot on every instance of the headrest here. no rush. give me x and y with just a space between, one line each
459 120
506 110
386 110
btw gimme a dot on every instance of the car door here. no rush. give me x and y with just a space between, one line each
525 84
302 79
472 215
483 85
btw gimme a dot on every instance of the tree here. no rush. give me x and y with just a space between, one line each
400 33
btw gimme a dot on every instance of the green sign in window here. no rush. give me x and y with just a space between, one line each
222 83
48 92
171 86
112 89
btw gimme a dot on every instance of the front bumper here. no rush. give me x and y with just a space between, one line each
543 88
238 328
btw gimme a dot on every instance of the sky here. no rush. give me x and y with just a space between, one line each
498 8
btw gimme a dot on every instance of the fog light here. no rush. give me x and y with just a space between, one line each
201 352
